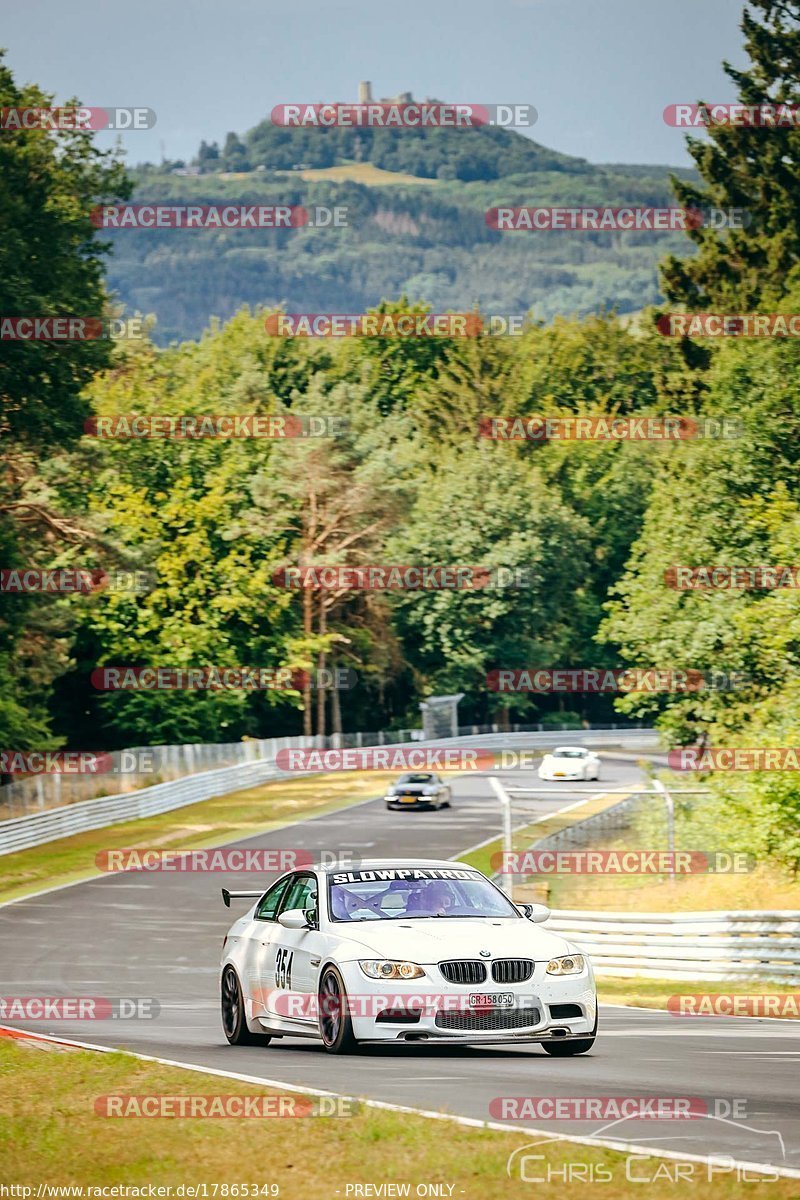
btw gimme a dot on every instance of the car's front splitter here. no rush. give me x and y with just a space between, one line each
423 804
407 1036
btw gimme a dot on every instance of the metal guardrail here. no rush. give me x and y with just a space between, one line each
690 945
547 727
21 833
647 739
123 771
145 766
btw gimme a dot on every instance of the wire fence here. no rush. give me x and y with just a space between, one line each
137 767
129 770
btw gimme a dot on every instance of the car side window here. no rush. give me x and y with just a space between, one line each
267 909
302 894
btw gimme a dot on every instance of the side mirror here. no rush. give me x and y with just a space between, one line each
535 912
293 918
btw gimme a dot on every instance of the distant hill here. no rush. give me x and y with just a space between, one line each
428 243
428 153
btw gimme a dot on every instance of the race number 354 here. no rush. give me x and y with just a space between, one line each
283 967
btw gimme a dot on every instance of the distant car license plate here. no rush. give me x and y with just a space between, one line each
558 774
408 799
491 999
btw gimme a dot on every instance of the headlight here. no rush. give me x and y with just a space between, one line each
381 968
571 964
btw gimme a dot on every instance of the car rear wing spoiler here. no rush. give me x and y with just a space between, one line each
228 896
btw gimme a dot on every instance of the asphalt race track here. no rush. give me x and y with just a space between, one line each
159 935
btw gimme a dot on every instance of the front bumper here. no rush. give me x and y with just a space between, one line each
398 802
433 999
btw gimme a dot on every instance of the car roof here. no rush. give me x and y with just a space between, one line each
382 864
583 749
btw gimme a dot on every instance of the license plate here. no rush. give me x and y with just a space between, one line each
558 774
491 1000
408 799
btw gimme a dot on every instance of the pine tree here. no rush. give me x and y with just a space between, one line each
750 167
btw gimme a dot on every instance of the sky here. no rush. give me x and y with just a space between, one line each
599 72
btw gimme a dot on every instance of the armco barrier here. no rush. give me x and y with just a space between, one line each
687 945
34 793
21 833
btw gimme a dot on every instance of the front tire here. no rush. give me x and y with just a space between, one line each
568 1049
335 1026
234 1021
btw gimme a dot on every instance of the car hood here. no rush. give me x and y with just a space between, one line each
431 940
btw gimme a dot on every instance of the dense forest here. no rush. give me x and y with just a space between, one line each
596 525
419 231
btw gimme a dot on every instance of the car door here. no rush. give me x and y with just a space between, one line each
264 930
293 956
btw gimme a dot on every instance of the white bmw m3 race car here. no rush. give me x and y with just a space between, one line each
401 950
570 762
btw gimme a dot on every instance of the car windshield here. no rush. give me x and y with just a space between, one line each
391 894
418 778
568 754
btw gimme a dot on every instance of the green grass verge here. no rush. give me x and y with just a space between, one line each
214 822
768 886
51 1134
655 993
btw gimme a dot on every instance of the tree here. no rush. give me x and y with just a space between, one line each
234 154
185 510
51 264
338 499
479 506
752 168
208 156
